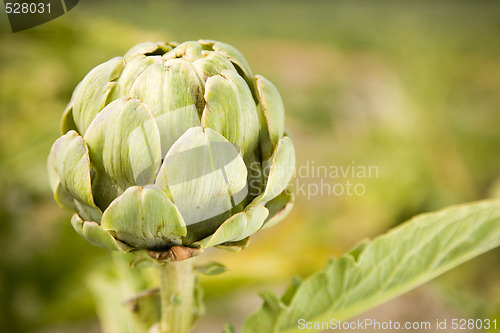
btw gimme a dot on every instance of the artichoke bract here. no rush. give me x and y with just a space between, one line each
173 145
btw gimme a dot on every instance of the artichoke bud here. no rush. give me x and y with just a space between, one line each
173 145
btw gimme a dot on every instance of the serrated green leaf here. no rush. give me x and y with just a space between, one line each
400 260
291 290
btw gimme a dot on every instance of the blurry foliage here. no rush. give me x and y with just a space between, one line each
409 87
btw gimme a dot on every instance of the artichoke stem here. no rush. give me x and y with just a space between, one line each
177 294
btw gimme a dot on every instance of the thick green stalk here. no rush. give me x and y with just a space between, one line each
177 292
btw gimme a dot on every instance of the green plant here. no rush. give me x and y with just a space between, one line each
171 149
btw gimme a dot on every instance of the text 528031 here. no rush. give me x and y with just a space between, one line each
27 8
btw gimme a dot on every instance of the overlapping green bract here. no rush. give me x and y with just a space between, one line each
173 145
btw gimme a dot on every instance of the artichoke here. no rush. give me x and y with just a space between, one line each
173 146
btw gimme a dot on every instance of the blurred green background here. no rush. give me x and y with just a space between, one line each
410 87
